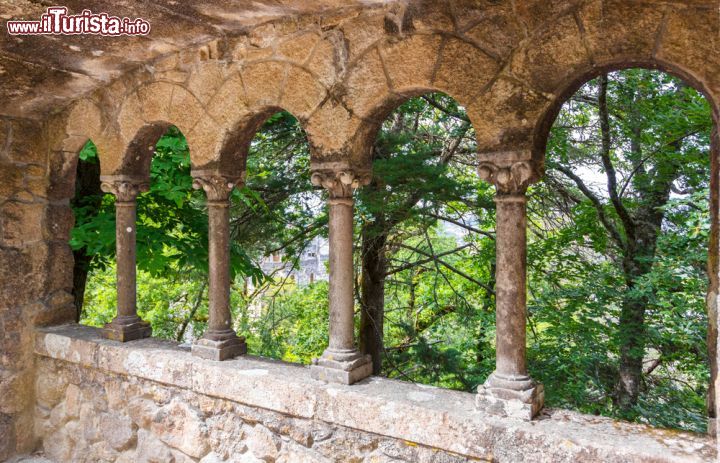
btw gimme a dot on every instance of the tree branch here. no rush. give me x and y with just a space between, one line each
449 267
460 224
625 218
436 104
596 202
424 261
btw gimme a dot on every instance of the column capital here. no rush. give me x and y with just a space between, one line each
125 189
508 177
216 186
340 184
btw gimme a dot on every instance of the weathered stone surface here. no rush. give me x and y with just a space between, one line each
302 93
182 427
256 410
262 443
410 62
21 223
492 25
617 31
263 83
690 44
552 57
117 430
464 70
366 87
150 449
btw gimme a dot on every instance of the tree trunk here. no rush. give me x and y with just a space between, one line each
372 296
88 195
642 228
81 268
631 337
637 263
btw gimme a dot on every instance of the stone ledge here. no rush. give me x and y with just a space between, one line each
429 416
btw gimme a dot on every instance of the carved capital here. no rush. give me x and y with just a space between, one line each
217 187
125 190
340 184
511 177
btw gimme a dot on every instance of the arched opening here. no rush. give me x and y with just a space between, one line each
424 251
280 223
171 242
86 204
618 251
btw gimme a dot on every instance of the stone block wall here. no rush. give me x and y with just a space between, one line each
35 269
89 416
151 401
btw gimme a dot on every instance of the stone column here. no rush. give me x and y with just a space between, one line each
341 362
712 298
126 326
219 342
509 391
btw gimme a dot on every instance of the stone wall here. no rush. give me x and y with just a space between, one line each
88 415
35 283
98 400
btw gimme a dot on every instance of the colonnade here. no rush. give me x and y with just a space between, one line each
508 391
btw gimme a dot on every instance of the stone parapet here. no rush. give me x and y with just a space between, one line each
277 412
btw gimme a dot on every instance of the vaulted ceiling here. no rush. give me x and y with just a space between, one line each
42 72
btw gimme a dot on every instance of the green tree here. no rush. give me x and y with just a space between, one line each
627 172
412 181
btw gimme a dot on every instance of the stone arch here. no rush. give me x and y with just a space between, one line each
139 152
281 83
84 121
589 38
551 110
395 69
419 61
243 101
146 113
232 155
368 128
614 35
539 143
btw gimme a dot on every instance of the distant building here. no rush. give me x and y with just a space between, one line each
311 267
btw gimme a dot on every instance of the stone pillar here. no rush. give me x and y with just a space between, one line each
509 391
712 299
126 326
220 342
341 362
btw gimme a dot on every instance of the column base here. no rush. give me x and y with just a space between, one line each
125 329
515 397
219 345
341 366
712 427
